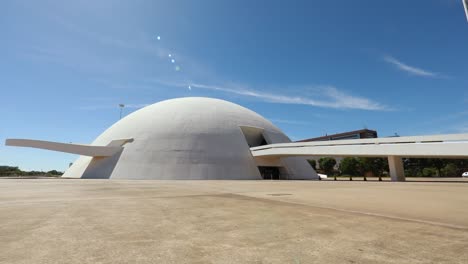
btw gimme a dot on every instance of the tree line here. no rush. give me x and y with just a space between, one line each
378 167
9 171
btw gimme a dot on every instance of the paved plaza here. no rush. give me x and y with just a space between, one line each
144 221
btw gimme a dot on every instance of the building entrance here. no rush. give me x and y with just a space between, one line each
269 173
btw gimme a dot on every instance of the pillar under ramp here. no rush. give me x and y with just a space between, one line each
396 169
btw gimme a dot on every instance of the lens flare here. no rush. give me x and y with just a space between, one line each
172 60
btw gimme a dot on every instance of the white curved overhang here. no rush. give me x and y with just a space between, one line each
81 149
441 146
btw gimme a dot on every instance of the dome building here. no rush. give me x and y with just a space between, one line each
210 139
189 139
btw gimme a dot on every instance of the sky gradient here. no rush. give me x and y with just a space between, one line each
311 67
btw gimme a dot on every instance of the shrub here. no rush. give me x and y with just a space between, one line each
429 172
450 170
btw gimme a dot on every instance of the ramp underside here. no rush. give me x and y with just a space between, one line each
79 149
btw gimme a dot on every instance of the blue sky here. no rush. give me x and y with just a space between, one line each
311 67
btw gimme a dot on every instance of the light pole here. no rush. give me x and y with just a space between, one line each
121 109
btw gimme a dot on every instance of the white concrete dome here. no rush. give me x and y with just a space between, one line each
187 138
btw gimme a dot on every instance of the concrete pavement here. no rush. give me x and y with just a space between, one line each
110 221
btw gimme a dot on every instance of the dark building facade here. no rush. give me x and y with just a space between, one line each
357 134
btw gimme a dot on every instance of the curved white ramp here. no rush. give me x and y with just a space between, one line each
437 146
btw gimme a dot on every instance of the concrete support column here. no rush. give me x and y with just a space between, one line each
397 172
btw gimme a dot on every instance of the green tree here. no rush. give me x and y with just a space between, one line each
429 172
9 171
380 165
462 165
54 173
327 164
450 170
431 167
374 166
349 166
438 164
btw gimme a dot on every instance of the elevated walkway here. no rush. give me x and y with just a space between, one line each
395 148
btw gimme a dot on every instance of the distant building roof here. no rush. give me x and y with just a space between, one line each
356 134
